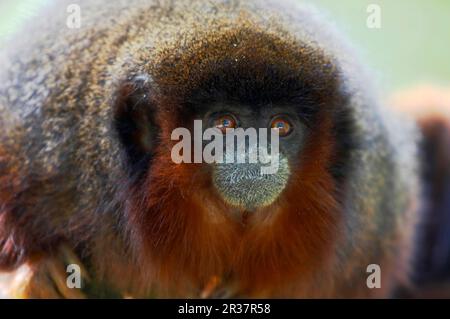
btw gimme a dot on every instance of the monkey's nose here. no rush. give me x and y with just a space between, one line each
245 186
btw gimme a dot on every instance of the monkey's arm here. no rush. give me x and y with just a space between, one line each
46 277
29 269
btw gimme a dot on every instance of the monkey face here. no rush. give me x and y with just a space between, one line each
232 218
244 183
238 89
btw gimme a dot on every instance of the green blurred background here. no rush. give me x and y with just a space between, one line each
411 47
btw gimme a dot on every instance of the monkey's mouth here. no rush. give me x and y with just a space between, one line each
244 186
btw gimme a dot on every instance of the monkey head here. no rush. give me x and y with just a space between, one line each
225 218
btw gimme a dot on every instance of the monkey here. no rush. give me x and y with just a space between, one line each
86 174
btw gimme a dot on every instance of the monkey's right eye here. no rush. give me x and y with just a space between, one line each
224 122
283 126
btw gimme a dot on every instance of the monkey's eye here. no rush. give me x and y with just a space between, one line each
283 126
224 122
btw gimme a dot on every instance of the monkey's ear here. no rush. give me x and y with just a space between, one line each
134 121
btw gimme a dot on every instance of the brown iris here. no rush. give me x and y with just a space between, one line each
225 122
283 126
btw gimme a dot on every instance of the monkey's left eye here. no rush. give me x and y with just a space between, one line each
283 126
224 122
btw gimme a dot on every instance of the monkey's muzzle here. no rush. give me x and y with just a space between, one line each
251 185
